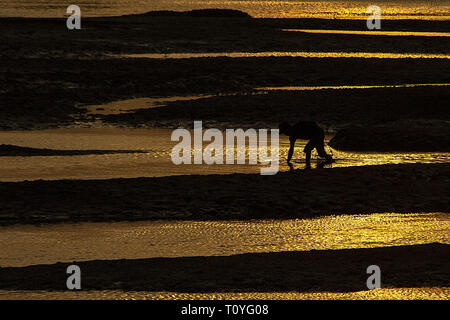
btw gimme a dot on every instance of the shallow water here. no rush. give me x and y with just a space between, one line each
426 293
374 32
23 245
306 54
28 245
305 88
130 105
335 9
155 160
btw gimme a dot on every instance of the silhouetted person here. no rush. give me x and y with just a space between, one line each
305 130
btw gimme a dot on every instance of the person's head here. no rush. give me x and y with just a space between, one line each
284 128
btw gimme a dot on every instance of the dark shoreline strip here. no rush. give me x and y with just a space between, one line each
7 150
301 194
301 271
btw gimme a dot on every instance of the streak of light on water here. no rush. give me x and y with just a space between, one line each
154 161
25 245
424 293
373 32
295 54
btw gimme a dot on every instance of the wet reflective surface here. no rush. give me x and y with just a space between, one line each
303 88
155 160
427 293
46 244
306 54
334 9
374 32
129 105
28 245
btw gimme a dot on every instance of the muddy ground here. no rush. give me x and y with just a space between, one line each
47 73
297 194
301 271
396 136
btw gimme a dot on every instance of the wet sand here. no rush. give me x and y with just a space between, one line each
331 108
21 245
399 136
48 73
7 150
301 271
154 160
299 194
48 76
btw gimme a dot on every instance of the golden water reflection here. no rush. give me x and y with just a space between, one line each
298 54
28 245
373 32
308 88
391 9
129 105
155 160
425 293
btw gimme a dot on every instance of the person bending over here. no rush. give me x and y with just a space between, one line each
305 130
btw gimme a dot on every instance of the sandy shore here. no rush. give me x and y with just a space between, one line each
298 194
301 271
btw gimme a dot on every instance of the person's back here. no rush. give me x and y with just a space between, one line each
306 130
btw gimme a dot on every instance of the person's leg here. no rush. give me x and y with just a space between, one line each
308 148
320 147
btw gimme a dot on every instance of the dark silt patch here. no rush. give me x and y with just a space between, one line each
17 151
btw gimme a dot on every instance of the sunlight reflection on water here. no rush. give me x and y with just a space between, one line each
25 245
155 161
374 32
306 88
425 293
308 54
331 9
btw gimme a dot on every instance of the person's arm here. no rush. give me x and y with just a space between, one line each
291 150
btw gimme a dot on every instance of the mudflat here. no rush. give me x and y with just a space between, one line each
47 73
297 194
301 271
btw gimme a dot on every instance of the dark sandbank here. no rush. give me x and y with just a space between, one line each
200 13
301 271
331 108
299 194
401 136
18 151
43 95
47 74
